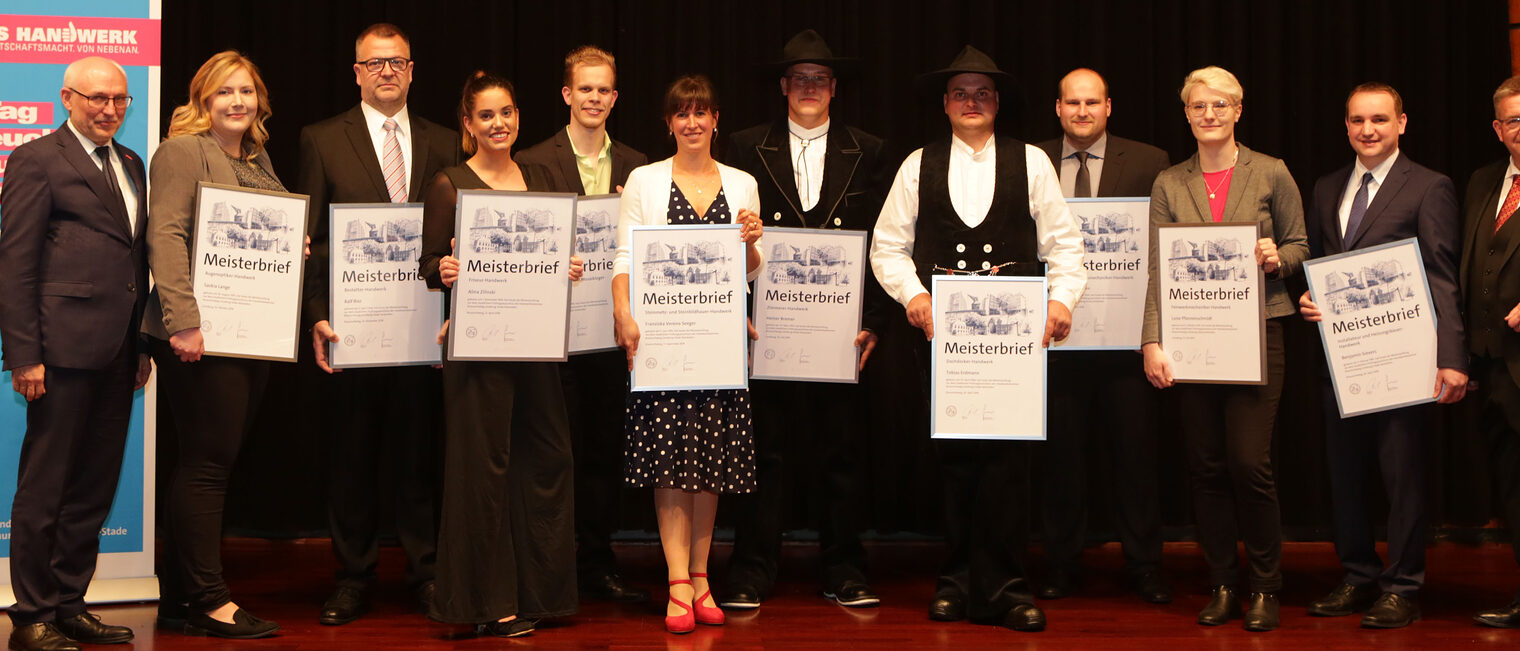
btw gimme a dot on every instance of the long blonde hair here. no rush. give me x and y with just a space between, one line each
192 117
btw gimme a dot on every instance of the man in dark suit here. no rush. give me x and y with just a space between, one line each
1491 300
1384 197
813 172
383 421
1094 163
582 158
73 283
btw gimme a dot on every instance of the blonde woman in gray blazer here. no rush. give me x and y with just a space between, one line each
1227 429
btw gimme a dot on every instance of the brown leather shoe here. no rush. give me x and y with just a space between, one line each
40 636
87 628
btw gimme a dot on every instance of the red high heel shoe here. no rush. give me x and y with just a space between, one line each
680 623
710 615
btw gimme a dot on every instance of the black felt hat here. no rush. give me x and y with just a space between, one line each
809 47
969 60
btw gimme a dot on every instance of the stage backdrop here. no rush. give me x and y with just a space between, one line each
38 39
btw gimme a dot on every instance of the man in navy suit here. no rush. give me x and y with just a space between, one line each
73 283
1383 197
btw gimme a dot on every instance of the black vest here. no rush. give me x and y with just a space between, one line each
1483 273
1007 235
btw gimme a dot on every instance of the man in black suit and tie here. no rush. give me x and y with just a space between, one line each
73 284
813 172
380 418
1383 197
1491 300
582 158
1095 163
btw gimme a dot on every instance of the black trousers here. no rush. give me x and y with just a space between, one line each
1227 432
65 483
1501 431
1103 410
596 397
986 486
808 430
1394 442
212 404
386 423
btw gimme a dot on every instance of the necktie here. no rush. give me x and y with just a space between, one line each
1083 186
1358 208
394 166
1510 201
104 153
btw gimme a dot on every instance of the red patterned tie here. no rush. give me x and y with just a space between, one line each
1510 202
394 166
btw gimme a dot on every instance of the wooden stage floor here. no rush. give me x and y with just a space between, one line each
287 581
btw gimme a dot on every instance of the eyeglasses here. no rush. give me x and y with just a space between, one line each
1510 124
811 80
376 65
1220 107
98 102
980 95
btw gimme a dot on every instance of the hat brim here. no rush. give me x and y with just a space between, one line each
933 83
842 66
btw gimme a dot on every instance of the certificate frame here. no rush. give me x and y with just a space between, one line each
1215 231
1109 234
555 354
640 237
337 233
1316 272
852 241
608 239
944 294
290 203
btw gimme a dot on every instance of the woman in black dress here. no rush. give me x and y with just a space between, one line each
506 548
688 445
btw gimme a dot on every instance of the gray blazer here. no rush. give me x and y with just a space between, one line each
178 165
1261 191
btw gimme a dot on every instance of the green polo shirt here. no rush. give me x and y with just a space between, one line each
596 172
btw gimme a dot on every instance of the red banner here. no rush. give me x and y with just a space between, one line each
63 39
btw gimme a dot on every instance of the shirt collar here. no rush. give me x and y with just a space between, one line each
1097 150
89 145
1378 173
606 145
960 146
374 119
1511 171
807 134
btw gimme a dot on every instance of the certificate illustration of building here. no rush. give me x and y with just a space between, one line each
987 315
515 231
1378 284
375 241
826 265
1213 261
248 226
688 263
595 232
1110 232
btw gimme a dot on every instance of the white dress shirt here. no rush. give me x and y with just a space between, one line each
810 184
971 182
1509 181
128 193
374 123
1069 165
1355 183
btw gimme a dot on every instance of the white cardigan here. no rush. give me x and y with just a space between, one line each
646 200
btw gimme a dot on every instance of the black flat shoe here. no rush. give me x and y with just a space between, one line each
426 594
40 636
517 627
172 616
1506 617
1345 600
245 626
947 607
1261 612
610 587
1392 611
741 597
1059 583
347 603
87 628
1152 588
853 594
1223 607
1025 618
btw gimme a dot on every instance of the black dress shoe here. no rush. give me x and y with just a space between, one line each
1223 607
425 597
244 626
1392 611
1152 588
1506 617
853 594
740 597
347 603
1261 612
610 587
172 616
517 627
1025 617
947 607
40 636
1345 600
86 627
1059 582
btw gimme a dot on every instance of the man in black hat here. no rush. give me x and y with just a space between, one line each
977 203
813 173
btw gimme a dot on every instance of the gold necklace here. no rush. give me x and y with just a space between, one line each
1226 179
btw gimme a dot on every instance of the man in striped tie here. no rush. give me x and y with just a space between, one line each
376 152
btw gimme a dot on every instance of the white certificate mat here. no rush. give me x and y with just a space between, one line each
808 304
246 268
987 366
686 287
380 306
596 221
1379 327
1210 303
1112 309
512 299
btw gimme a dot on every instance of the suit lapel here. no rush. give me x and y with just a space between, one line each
1238 182
839 163
364 150
1198 189
567 164
419 157
84 163
1389 189
1113 169
1330 214
775 153
136 173
1489 206
621 166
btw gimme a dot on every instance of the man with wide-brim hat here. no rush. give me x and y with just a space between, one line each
978 203
813 172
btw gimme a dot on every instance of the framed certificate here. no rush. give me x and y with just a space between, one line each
1210 303
808 304
596 221
246 268
382 310
686 288
987 366
512 299
1114 235
1379 327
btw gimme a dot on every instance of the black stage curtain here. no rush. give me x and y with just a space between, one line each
1296 61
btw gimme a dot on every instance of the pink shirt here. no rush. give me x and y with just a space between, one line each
1220 184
